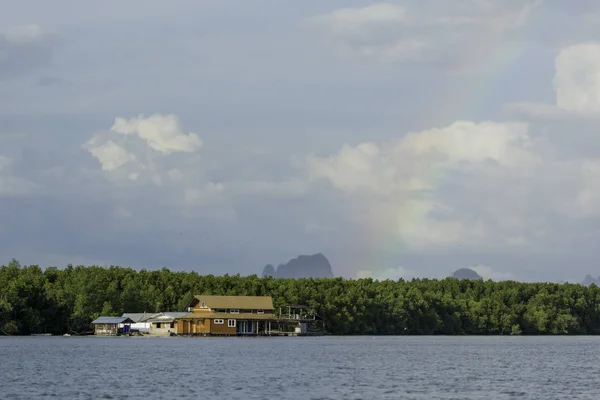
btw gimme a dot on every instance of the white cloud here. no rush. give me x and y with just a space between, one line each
576 86
111 156
161 132
396 185
577 79
409 163
150 154
489 273
372 32
356 21
387 274
442 189
390 33
505 143
157 137
363 167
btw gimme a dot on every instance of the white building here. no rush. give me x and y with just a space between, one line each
165 323
140 321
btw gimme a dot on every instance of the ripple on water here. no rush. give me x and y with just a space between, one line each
290 368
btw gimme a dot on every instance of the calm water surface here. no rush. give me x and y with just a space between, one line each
301 368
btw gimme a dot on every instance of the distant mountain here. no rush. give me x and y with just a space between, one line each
466 273
588 280
269 270
315 266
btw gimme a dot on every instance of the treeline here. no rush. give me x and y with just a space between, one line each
54 300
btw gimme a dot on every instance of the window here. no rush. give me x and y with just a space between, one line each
158 325
246 311
219 322
172 325
260 311
231 323
234 311
202 304
220 310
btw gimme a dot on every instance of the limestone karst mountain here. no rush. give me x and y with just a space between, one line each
466 273
304 266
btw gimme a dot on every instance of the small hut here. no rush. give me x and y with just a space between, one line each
109 326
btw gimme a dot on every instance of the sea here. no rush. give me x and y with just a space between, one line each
328 367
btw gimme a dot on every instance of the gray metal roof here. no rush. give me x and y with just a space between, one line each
112 320
175 314
167 316
140 317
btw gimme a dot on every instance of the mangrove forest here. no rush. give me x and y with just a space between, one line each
60 300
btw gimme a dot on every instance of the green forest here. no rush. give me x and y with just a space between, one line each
34 300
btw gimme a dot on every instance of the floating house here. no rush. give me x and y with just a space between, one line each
241 316
140 321
109 326
165 323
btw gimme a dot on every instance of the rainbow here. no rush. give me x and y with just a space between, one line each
487 64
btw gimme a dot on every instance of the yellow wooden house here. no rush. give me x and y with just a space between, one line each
227 315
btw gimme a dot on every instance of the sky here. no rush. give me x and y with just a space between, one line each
400 139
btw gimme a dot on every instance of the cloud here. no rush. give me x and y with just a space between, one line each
576 86
357 20
110 155
23 49
405 159
153 157
398 184
425 33
577 79
148 140
161 132
374 31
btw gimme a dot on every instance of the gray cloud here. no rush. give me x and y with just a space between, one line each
219 141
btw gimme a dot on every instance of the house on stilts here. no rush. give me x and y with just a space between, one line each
243 316
112 326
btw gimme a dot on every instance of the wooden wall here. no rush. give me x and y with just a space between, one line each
222 329
193 326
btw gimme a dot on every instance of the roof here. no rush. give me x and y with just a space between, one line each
140 317
209 315
167 316
237 302
175 314
112 320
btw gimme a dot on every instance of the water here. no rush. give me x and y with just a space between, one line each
301 368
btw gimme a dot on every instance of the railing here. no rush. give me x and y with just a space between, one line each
298 317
